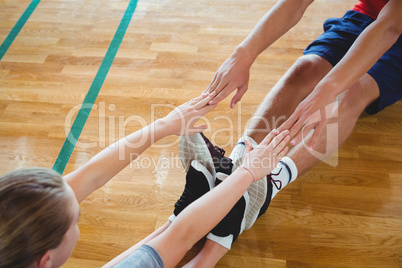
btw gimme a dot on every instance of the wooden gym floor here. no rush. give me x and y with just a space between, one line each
344 216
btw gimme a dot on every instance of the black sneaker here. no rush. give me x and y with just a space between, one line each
198 182
222 164
198 147
233 224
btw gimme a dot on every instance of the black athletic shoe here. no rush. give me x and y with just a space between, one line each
222 164
233 224
198 182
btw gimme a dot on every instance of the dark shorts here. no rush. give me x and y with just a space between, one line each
338 37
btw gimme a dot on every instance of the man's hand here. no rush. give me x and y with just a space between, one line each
310 114
233 74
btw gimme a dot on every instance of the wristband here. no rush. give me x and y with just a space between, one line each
249 170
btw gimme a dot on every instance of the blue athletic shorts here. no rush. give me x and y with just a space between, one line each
338 37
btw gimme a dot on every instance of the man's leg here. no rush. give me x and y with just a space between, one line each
282 100
297 83
351 104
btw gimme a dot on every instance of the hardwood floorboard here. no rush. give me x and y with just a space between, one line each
348 215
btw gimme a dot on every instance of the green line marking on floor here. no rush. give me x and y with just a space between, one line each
17 27
82 116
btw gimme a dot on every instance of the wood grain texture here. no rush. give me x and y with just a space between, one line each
344 216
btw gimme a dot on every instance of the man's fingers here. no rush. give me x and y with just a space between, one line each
297 126
221 95
303 133
237 97
206 109
196 100
289 122
316 135
221 86
212 85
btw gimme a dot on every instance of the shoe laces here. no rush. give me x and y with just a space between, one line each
220 150
274 182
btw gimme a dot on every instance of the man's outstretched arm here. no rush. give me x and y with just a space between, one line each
368 48
234 72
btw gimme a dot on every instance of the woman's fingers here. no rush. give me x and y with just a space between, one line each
268 138
278 138
273 139
197 129
249 147
201 101
281 144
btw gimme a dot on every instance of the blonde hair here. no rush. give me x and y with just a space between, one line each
34 215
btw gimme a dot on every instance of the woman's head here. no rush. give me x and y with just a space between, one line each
38 213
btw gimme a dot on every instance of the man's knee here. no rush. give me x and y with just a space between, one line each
307 71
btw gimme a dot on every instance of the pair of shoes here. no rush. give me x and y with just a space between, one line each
201 160
213 164
204 162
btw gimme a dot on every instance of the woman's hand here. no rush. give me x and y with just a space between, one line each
182 119
266 156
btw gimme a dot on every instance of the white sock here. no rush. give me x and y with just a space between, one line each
237 153
284 173
172 218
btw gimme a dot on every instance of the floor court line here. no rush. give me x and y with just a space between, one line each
82 116
17 27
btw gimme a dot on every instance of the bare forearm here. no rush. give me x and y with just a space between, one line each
110 161
117 156
280 19
368 48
